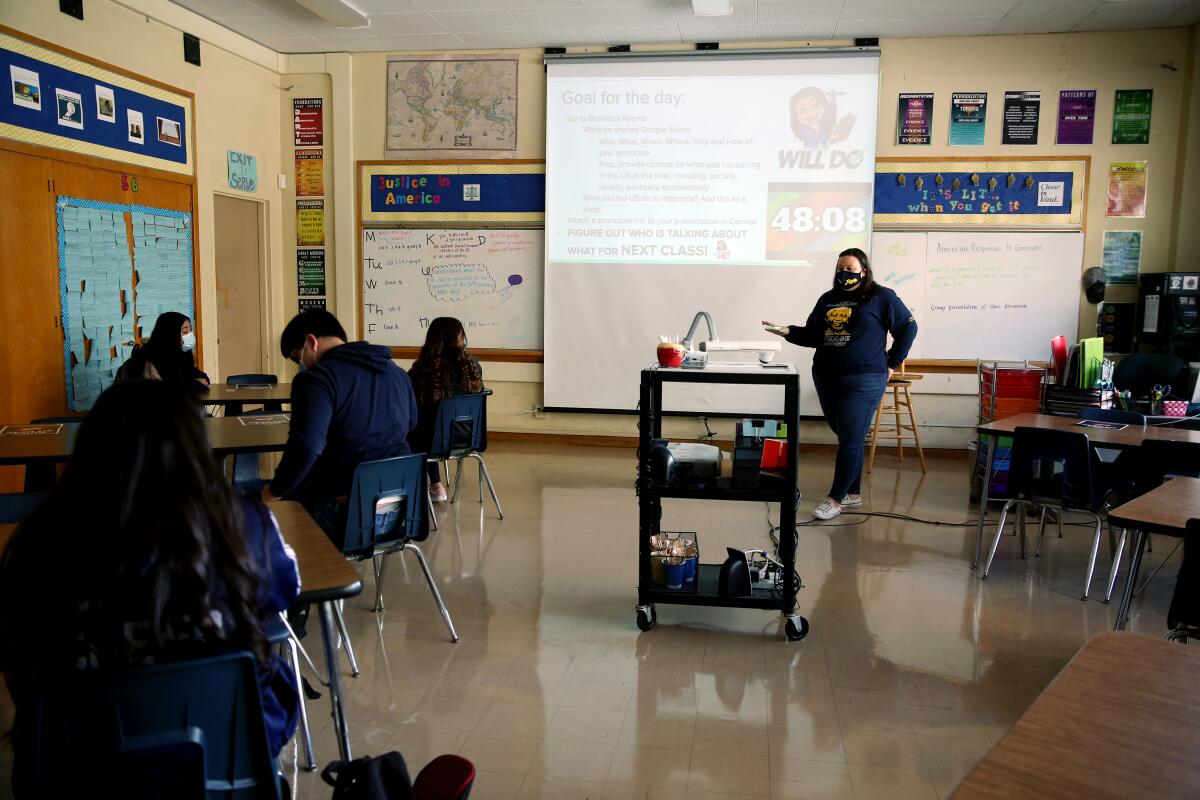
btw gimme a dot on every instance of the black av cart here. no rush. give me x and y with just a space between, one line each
778 488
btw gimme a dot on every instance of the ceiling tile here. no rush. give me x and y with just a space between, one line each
717 33
256 28
567 38
434 41
780 11
795 30
223 9
633 16
372 7
1052 22
971 26
1031 7
659 34
297 44
503 40
477 21
458 5
562 19
511 4
629 3
405 24
351 44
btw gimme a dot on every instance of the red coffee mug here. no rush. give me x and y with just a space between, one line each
670 355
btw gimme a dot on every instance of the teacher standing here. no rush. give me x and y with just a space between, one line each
849 327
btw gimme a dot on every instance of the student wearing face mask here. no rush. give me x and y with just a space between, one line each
350 404
849 327
167 355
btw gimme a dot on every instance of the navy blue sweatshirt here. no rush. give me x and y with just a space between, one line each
355 405
851 336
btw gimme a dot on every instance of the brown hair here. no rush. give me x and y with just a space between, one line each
443 366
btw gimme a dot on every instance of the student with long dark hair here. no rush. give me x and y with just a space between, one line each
167 355
143 554
849 327
443 368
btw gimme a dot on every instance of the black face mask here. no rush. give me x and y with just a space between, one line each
847 280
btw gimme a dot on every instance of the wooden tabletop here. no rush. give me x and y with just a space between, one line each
1165 509
226 434
1129 437
1118 722
324 572
254 394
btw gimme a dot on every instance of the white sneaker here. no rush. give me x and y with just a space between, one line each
437 493
827 509
849 502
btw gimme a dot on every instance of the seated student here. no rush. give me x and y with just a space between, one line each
443 368
350 404
167 355
151 558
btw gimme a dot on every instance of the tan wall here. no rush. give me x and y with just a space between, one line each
1187 240
236 90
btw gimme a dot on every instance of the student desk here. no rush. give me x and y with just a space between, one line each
1117 722
227 435
220 394
325 578
1131 437
1165 509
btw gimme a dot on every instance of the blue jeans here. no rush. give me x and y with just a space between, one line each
848 403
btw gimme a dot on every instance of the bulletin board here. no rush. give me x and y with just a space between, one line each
120 266
54 98
460 238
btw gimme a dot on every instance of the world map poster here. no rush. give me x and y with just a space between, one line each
451 105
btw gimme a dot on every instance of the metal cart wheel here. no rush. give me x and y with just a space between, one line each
796 628
647 617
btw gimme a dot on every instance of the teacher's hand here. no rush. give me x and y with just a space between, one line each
772 328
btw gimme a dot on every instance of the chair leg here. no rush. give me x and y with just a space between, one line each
1021 528
1087 581
996 541
1041 531
341 625
457 476
1163 563
912 418
899 430
310 757
379 562
487 476
875 433
432 515
437 596
1116 565
1058 515
303 653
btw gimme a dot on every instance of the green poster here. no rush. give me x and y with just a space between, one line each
1131 116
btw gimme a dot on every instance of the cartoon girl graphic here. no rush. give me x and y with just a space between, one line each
815 120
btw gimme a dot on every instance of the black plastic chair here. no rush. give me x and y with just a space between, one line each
1184 614
1156 460
459 433
1051 469
1117 415
17 506
388 512
41 476
1141 372
191 729
251 379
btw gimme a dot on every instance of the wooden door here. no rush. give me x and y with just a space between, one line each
32 381
239 253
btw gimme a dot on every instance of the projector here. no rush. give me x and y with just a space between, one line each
683 462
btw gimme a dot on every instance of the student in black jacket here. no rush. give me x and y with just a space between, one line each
350 404
849 327
167 355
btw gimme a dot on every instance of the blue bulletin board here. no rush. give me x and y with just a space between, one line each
477 192
1046 193
108 295
55 100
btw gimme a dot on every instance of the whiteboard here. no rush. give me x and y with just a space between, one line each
990 295
489 279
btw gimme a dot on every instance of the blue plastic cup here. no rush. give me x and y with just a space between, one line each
689 571
673 569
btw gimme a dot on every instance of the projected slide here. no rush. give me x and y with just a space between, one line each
726 184
767 162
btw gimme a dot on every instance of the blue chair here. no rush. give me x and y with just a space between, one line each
180 729
459 433
40 476
1051 469
16 507
388 512
251 379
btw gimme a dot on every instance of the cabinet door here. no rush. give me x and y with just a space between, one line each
32 383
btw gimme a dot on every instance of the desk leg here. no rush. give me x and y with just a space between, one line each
1135 564
983 493
329 632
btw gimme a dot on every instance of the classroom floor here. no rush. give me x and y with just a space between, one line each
912 670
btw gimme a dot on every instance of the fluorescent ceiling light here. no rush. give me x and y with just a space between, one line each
337 12
712 8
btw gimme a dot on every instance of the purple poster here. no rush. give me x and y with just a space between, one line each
913 118
1076 116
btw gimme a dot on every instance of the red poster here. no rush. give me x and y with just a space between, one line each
307 122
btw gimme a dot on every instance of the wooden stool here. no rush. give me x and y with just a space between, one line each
900 384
